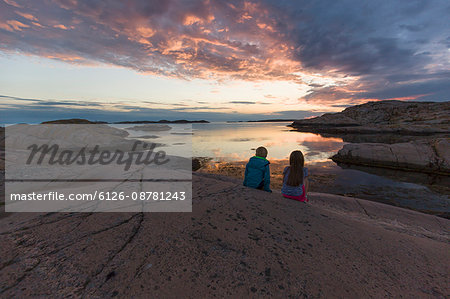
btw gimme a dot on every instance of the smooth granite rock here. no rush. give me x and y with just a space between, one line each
415 118
423 155
237 242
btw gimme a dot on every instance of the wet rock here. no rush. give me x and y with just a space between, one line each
199 162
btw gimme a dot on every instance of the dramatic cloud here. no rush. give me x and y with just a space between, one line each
200 39
356 50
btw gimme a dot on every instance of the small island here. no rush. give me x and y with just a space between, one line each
73 121
82 121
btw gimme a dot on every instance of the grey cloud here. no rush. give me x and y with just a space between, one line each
18 99
242 102
47 103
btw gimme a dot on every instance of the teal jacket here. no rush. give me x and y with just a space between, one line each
257 174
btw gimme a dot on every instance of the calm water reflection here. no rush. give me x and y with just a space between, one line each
230 145
237 141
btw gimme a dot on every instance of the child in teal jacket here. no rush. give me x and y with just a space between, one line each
257 172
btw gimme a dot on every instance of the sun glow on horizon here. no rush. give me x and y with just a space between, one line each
122 89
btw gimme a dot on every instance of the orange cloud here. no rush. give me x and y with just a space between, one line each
26 16
66 58
191 19
37 24
5 27
12 3
13 25
145 31
194 42
60 26
409 98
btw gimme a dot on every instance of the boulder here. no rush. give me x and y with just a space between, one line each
199 162
431 156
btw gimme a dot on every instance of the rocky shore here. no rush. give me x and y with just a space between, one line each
432 156
412 136
383 117
424 192
237 242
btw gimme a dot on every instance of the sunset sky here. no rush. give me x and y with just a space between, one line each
217 60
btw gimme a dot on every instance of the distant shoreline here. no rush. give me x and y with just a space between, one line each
85 121
163 121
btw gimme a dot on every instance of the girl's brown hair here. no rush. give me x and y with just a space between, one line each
296 162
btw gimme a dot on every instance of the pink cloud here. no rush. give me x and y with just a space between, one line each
206 39
13 25
60 26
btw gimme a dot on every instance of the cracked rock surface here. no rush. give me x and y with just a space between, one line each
237 242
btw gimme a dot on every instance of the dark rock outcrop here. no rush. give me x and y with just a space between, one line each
199 162
431 156
392 117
